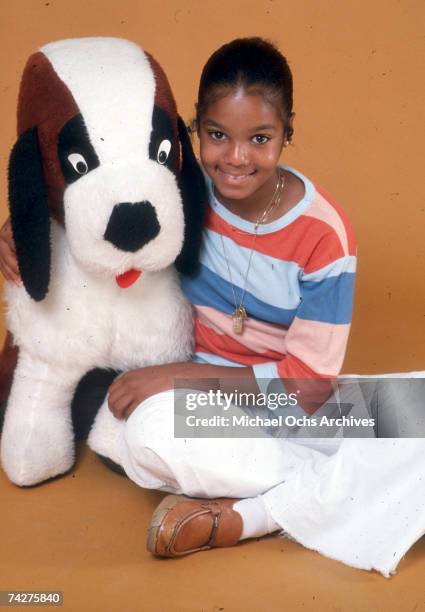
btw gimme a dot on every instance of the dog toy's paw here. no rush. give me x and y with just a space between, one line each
31 456
34 465
104 437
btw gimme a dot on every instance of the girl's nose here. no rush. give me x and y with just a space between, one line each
236 154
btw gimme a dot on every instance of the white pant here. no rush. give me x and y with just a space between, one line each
204 467
359 501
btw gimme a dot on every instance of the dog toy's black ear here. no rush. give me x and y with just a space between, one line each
30 214
194 196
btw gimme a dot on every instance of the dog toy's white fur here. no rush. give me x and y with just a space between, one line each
86 320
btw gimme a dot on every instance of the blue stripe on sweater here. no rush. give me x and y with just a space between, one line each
209 289
329 301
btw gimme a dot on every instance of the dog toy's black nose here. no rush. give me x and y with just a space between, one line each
132 225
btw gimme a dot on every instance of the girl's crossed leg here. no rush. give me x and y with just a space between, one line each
358 501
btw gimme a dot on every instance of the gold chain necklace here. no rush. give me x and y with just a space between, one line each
239 315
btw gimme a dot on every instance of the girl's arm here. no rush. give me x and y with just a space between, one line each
8 260
315 346
132 388
316 342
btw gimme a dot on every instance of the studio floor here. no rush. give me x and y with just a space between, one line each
84 534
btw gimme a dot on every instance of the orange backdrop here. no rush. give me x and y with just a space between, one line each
359 99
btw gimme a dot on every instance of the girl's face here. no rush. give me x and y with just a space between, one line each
241 138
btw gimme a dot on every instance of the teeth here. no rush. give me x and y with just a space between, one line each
235 176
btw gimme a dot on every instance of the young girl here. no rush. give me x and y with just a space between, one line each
273 300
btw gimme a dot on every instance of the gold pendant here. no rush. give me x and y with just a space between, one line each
239 317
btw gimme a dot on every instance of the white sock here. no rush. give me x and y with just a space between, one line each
257 521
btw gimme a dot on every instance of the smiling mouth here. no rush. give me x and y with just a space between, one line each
235 177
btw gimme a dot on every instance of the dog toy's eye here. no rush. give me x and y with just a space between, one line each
78 162
163 151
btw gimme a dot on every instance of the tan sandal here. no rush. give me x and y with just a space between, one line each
182 525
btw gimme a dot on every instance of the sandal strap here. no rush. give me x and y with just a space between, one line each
216 515
213 509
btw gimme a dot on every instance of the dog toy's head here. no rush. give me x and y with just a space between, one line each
102 151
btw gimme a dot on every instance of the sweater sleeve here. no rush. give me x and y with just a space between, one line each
316 341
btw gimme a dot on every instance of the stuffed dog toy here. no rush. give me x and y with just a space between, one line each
105 196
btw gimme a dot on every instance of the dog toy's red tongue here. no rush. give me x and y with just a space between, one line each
128 278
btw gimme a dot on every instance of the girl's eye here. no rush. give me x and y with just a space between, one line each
163 152
216 135
260 139
78 162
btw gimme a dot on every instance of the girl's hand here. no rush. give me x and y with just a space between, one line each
8 260
132 388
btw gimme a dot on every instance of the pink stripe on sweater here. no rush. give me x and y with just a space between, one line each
321 346
257 336
322 210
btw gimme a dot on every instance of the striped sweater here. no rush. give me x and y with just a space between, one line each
298 293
